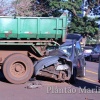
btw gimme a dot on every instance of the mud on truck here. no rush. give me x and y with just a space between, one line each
23 41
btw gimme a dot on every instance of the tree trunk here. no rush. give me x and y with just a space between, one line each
84 40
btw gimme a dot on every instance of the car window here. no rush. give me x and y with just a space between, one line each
97 49
87 50
78 48
50 48
66 49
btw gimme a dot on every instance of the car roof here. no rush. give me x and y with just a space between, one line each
68 42
75 36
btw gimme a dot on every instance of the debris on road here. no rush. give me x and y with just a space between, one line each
34 84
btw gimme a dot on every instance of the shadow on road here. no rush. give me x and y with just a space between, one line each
41 78
2 78
79 82
84 84
95 61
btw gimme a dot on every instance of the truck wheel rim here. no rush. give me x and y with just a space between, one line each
18 69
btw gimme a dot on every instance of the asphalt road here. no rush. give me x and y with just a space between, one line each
86 88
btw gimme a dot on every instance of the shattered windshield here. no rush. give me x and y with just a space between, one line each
66 49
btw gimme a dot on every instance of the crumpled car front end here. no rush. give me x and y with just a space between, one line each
55 67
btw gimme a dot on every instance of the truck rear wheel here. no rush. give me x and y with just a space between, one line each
18 68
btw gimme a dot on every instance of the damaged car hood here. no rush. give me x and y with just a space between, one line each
53 58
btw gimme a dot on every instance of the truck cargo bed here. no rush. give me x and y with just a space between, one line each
33 27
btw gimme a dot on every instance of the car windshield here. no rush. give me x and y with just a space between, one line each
66 49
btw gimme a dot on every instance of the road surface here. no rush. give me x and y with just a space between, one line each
86 88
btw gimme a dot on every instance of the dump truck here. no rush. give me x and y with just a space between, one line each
23 41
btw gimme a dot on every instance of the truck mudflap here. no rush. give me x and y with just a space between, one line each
54 67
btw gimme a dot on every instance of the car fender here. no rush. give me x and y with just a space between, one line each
47 61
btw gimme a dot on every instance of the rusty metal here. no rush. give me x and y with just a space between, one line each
49 75
33 56
51 72
7 34
17 69
50 68
57 75
5 53
37 48
29 33
0 59
28 41
62 76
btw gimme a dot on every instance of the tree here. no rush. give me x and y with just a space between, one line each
85 26
31 7
4 8
22 7
79 23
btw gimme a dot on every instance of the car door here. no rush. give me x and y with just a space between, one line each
81 59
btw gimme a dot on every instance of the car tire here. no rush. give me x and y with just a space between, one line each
87 58
73 77
83 72
90 58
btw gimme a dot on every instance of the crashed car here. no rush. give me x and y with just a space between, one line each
94 56
64 63
87 52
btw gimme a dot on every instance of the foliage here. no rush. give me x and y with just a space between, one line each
79 23
31 7
4 8
72 5
85 26
22 7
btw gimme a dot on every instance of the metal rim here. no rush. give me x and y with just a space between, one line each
18 69
64 75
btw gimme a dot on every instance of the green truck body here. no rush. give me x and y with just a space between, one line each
33 27
23 40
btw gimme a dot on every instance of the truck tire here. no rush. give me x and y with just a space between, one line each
17 68
73 76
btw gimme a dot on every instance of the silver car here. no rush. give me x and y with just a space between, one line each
94 56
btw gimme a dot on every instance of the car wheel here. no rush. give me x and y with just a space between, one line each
83 72
87 58
73 77
90 58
